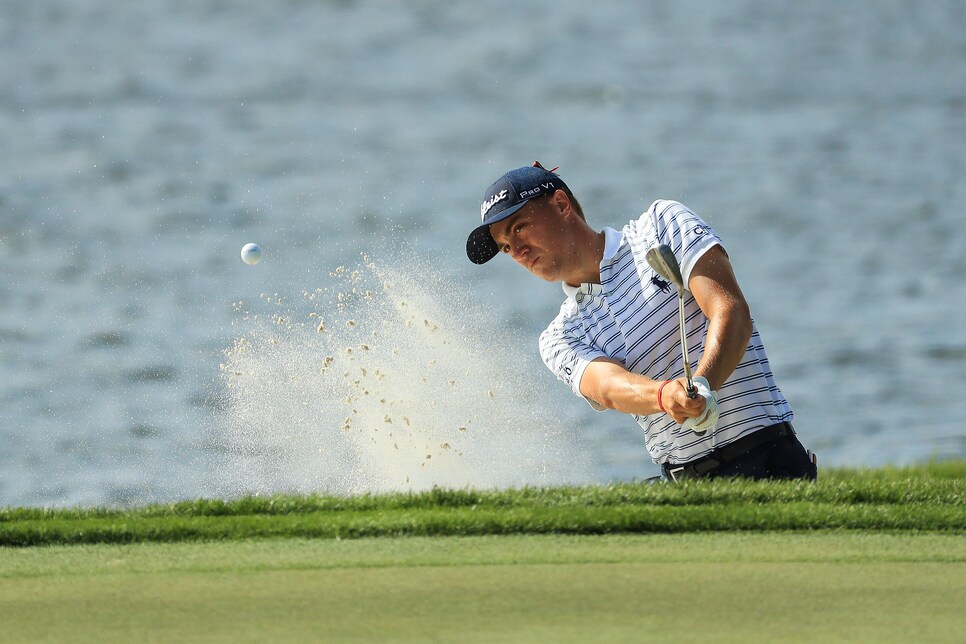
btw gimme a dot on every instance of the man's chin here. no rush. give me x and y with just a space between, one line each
547 276
545 272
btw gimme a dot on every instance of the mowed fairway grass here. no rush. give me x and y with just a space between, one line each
593 579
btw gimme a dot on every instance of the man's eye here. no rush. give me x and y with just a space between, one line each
518 228
505 248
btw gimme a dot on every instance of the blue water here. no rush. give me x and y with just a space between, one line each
144 143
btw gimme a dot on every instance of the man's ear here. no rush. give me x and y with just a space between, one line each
561 203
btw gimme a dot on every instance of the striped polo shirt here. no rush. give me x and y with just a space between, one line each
632 317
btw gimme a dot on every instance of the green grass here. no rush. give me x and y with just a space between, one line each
930 498
860 555
838 586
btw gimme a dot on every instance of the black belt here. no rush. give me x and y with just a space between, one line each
727 453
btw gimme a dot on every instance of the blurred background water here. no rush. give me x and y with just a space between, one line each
144 143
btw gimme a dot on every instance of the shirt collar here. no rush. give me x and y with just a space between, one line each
612 243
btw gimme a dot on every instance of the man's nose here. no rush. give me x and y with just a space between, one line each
517 249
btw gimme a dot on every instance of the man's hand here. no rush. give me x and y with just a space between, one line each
709 418
677 405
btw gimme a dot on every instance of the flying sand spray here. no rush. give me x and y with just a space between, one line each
381 382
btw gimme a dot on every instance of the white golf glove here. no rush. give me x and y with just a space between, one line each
709 418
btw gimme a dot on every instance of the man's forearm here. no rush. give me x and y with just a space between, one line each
716 291
611 385
725 344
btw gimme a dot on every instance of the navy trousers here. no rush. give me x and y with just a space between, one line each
782 458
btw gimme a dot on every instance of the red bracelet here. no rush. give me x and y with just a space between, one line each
660 389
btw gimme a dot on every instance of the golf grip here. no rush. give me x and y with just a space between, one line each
693 393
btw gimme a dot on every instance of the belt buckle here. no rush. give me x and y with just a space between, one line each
673 472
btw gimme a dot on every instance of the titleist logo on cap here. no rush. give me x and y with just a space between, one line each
492 201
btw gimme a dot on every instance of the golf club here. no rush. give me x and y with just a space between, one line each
665 264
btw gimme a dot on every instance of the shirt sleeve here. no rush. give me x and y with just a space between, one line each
684 231
565 353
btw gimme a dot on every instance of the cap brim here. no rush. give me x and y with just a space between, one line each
480 247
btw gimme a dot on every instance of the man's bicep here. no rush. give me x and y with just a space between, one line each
713 282
564 352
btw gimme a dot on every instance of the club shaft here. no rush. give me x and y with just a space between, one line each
684 344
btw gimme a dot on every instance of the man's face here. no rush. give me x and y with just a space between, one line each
537 237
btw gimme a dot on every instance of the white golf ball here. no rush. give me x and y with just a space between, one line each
251 254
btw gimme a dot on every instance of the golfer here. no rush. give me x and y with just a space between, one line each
616 341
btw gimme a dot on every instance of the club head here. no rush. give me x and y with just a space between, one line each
663 261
